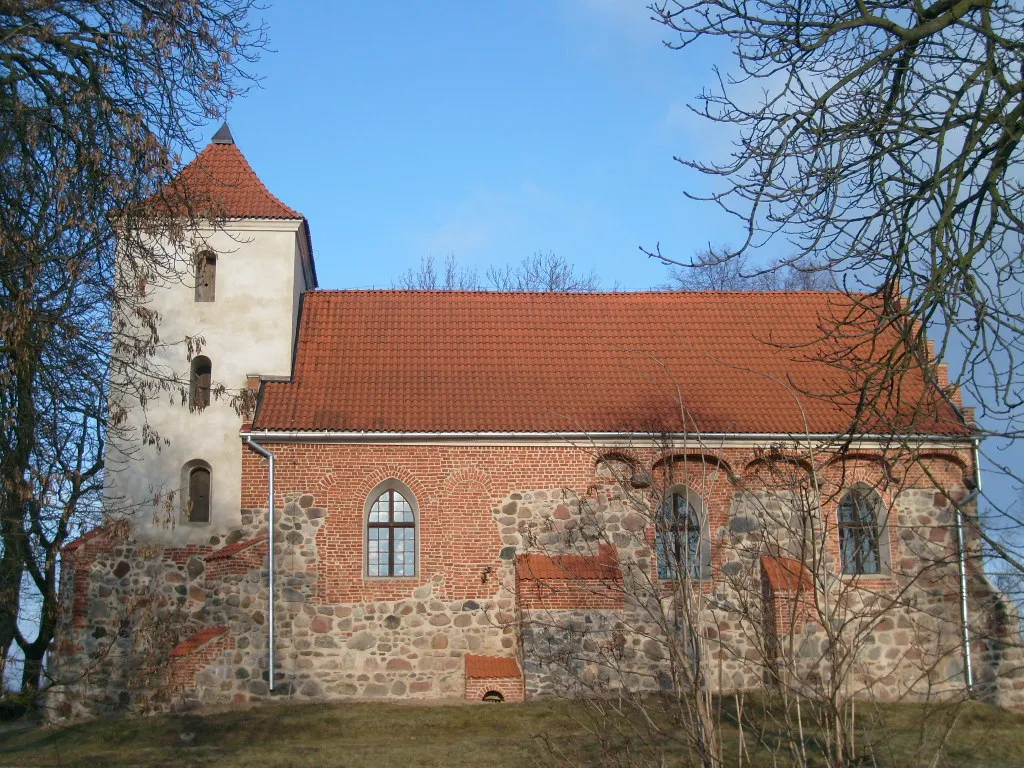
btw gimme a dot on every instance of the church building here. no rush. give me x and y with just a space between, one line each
492 495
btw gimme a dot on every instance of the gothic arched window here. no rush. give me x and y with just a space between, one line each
683 547
391 532
860 539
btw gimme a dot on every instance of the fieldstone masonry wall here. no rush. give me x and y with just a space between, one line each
341 634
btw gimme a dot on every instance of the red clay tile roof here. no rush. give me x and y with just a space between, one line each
196 641
233 549
448 361
491 666
786 574
221 178
540 567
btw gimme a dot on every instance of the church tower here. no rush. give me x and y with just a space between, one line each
239 290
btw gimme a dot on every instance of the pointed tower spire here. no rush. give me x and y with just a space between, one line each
223 135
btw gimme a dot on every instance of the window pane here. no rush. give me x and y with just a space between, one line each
665 564
678 541
391 536
858 532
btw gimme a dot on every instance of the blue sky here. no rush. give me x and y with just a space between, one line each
485 130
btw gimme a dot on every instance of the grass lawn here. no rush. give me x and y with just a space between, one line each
368 735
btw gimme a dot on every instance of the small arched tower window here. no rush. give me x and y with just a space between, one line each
196 492
206 275
683 548
201 379
860 532
391 531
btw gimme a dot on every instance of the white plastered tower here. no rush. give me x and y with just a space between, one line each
251 272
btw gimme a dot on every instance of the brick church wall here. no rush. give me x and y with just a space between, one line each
481 509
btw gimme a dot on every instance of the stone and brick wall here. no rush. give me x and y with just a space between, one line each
535 553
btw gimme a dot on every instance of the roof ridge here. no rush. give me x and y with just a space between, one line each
604 294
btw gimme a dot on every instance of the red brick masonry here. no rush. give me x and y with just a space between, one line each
570 581
788 592
195 653
235 559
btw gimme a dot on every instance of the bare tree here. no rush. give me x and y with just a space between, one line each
711 272
98 100
456 277
540 272
700 613
884 139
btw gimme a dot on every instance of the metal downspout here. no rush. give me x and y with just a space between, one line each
965 627
270 553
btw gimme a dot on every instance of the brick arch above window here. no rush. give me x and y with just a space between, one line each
673 464
333 481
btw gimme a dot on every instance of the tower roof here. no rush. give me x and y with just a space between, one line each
220 184
221 179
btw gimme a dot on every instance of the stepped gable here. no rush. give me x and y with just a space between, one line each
489 362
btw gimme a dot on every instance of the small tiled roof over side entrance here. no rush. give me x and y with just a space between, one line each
714 362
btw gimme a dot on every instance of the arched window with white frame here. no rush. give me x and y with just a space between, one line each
862 540
391 528
681 536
